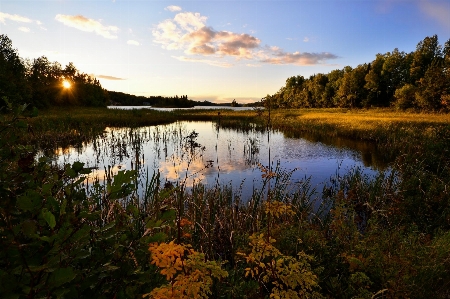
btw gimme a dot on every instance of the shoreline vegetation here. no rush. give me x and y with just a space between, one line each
386 236
383 237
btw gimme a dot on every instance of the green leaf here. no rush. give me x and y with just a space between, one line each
70 172
77 166
21 124
153 223
158 237
47 189
169 215
29 228
62 276
49 218
35 112
62 211
30 201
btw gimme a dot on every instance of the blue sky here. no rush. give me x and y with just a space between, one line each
216 50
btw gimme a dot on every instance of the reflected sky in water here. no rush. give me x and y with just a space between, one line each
215 155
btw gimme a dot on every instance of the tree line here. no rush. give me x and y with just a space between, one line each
418 80
38 82
124 99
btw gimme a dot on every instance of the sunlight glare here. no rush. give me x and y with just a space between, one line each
66 84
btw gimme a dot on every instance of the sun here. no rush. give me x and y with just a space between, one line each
66 84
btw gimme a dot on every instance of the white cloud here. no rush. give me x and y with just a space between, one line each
133 42
306 39
15 18
172 8
440 11
207 61
275 55
188 32
24 29
89 25
106 77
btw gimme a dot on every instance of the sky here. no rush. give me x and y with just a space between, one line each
216 50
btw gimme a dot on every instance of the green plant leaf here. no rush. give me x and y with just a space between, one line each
158 237
29 228
70 172
169 215
61 276
30 201
49 218
77 166
35 112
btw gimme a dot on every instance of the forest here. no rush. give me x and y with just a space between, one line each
418 80
38 83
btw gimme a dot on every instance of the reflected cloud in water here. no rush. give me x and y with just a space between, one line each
215 155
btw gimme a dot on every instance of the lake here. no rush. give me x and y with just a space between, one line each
204 152
171 109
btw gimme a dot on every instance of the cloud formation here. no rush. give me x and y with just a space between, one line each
275 55
15 18
207 61
440 11
24 29
188 32
172 8
89 25
133 42
107 77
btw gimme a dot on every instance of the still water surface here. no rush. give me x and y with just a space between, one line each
202 152
172 109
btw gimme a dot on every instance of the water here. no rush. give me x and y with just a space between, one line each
202 152
171 109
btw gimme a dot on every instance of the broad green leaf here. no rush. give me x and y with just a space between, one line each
62 276
47 189
30 201
158 237
49 218
169 215
77 166
21 124
35 112
70 172
153 223
29 228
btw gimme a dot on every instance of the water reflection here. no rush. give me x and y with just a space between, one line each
192 152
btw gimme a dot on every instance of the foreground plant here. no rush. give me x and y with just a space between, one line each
187 273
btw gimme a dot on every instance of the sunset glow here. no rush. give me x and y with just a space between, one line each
66 84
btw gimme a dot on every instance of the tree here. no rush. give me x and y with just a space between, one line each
396 72
405 96
432 87
44 78
13 84
426 52
351 91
